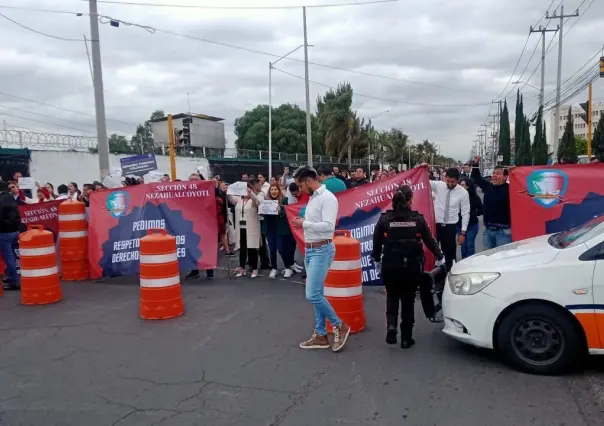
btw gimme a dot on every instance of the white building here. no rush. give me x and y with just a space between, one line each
580 126
205 131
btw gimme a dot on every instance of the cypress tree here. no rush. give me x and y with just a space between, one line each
540 154
567 150
518 125
598 140
523 154
504 135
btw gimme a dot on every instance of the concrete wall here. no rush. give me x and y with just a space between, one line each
59 167
203 132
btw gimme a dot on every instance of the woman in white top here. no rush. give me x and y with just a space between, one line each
248 222
72 191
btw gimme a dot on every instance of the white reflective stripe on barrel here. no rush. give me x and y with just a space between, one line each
42 251
160 282
37 273
71 217
73 234
345 265
158 258
343 291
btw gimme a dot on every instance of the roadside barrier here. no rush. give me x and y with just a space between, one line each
160 290
73 240
40 282
344 282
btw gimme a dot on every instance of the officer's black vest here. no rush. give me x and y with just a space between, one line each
403 240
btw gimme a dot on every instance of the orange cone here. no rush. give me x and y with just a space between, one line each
73 240
40 282
344 282
160 291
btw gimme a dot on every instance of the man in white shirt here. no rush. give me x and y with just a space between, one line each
450 200
319 224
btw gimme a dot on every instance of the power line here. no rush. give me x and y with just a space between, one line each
191 6
384 99
45 122
63 109
33 9
272 55
522 52
39 32
107 19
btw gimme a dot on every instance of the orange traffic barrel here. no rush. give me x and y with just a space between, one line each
73 240
344 282
160 291
40 282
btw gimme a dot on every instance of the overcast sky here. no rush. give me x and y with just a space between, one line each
459 52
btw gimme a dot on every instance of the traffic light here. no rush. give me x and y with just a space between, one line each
586 107
602 67
185 133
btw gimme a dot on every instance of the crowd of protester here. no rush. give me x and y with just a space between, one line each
258 240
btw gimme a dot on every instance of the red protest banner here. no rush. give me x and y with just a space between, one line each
545 200
360 209
120 217
45 214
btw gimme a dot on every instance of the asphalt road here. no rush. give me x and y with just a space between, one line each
233 359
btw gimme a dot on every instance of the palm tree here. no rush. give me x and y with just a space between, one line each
396 145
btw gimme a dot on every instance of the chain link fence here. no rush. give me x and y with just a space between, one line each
59 142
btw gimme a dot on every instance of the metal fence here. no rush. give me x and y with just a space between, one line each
59 142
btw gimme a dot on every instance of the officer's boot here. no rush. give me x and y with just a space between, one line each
391 334
407 336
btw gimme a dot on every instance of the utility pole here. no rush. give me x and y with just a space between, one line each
589 122
559 79
99 97
542 30
307 83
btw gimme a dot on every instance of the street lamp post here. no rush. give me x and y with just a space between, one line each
270 110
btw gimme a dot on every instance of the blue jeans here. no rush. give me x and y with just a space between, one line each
495 237
468 248
317 262
7 249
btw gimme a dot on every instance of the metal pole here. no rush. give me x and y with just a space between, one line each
409 156
558 83
589 122
172 151
369 155
99 98
307 83
542 91
270 121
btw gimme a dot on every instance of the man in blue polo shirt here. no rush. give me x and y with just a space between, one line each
332 183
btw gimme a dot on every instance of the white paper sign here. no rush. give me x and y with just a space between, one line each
27 183
238 189
116 171
155 176
110 182
268 207
202 170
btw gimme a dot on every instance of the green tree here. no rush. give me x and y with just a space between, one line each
540 154
518 125
337 121
119 145
581 144
567 150
504 135
597 142
288 130
142 141
524 154
396 147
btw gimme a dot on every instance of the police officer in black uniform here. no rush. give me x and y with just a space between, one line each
398 235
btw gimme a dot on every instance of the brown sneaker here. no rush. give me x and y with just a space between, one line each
315 342
340 335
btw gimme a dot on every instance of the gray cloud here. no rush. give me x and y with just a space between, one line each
468 46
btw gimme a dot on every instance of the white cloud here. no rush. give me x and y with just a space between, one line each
469 47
